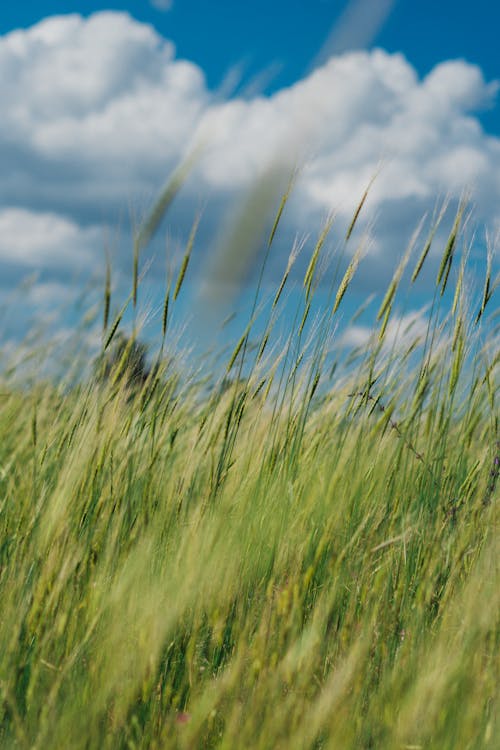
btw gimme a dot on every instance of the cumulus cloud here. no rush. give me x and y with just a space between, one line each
355 111
96 112
40 241
402 331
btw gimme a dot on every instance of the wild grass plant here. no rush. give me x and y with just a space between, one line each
268 562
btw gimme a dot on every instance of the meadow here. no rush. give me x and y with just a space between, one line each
269 558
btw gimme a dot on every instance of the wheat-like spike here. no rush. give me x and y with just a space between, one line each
262 347
446 275
314 385
284 201
135 274
308 278
165 199
446 260
423 256
119 369
458 287
305 316
237 350
187 255
268 386
351 270
457 333
34 426
116 323
296 366
166 304
391 291
359 209
428 244
113 330
448 252
280 289
259 387
487 289
362 308
384 323
107 295
297 247
388 298
457 362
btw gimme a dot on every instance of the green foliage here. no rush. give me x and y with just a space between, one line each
267 564
125 359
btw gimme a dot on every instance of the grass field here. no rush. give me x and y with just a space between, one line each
264 562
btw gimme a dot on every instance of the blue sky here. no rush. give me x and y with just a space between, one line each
98 108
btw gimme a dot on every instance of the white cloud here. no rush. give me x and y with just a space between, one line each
402 332
40 241
352 113
96 112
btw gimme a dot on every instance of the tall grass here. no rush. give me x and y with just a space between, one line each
269 563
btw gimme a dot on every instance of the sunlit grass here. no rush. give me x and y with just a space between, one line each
268 562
